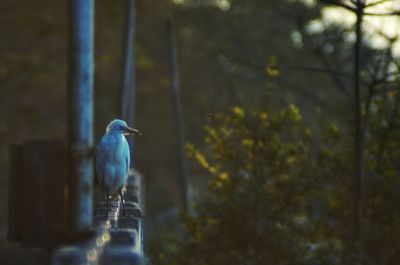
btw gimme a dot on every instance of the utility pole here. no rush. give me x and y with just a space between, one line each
80 113
177 116
127 96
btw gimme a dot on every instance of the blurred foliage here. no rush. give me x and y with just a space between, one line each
280 193
231 52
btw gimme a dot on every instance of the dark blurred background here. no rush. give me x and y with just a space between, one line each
255 54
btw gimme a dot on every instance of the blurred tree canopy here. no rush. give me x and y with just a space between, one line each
280 192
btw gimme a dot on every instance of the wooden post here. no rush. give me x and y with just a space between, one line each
15 195
37 204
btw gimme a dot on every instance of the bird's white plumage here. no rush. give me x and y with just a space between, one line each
113 158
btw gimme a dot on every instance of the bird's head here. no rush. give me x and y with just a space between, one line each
120 126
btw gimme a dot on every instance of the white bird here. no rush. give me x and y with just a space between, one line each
113 160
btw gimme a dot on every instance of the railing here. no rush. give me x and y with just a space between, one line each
116 239
37 227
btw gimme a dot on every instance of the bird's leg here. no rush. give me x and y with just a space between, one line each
123 203
107 205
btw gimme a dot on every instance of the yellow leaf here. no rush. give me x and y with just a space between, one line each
263 116
271 72
294 112
238 111
248 142
223 176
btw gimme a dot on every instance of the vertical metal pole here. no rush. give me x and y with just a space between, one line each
177 115
127 97
359 136
80 113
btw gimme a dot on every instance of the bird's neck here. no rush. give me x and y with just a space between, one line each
115 133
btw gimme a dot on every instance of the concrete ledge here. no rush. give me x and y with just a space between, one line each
18 255
123 248
69 256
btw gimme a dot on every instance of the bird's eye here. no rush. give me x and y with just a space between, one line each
121 127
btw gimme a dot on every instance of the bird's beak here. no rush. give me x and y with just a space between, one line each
131 130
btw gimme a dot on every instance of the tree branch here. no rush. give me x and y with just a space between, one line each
376 3
394 13
317 52
337 3
322 70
